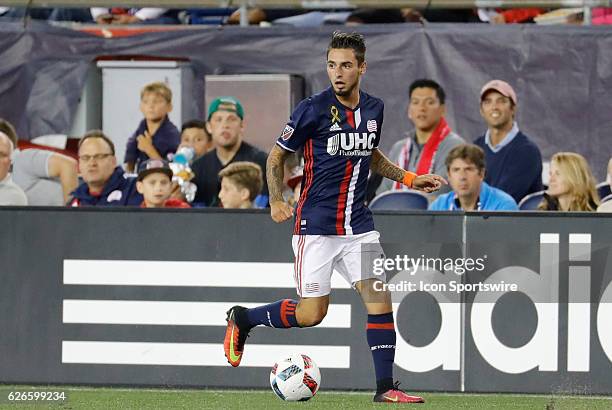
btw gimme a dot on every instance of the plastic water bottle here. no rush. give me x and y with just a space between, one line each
184 156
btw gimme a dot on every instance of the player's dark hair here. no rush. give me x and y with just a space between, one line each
97 134
354 41
469 153
427 83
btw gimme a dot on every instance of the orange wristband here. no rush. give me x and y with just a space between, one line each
408 178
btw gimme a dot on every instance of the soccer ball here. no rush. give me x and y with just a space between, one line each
295 378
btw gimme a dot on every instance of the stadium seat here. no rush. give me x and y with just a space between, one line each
530 202
398 201
603 189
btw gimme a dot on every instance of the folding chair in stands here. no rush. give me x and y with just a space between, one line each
530 202
398 201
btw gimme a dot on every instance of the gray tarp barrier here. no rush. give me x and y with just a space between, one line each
562 75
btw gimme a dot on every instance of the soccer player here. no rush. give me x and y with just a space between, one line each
339 131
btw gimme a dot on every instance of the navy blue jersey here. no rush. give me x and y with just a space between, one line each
337 142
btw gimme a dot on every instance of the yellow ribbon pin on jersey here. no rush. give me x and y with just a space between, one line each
335 114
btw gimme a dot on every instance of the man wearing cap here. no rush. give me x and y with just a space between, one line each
105 183
514 162
155 185
226 126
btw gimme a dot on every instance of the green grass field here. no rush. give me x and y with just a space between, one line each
123 398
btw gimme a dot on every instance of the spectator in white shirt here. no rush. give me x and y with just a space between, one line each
147 15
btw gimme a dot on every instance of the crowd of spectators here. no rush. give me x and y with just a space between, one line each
498 170
301 17
164 166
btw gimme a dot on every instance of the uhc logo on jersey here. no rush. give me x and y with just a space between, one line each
351 144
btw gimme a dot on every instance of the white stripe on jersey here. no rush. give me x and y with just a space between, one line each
350 198
357 118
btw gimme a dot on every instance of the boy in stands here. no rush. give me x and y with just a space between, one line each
155 185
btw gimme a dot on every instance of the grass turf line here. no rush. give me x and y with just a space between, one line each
121 398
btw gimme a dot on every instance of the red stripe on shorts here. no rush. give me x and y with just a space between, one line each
383 326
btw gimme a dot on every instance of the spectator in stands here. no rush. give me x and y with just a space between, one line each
156 136
424 150
571 186
509 16
375 16
35 13
118 15
226 125
601 16
195 135
256 15
10 193
241 182
47 177
466 170
514 162
105 183
440 15
155 185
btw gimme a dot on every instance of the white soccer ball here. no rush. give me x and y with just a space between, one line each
295 378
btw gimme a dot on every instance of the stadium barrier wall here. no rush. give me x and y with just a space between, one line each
138 297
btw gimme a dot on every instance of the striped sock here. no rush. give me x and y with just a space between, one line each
380 332
278 314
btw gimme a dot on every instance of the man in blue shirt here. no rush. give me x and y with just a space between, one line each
104 183
466 171
514 161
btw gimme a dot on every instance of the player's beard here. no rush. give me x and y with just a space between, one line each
346 92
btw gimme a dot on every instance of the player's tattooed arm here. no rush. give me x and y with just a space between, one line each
279 209
383 166
275 172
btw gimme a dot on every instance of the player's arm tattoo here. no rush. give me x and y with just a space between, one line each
383 166
275 171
